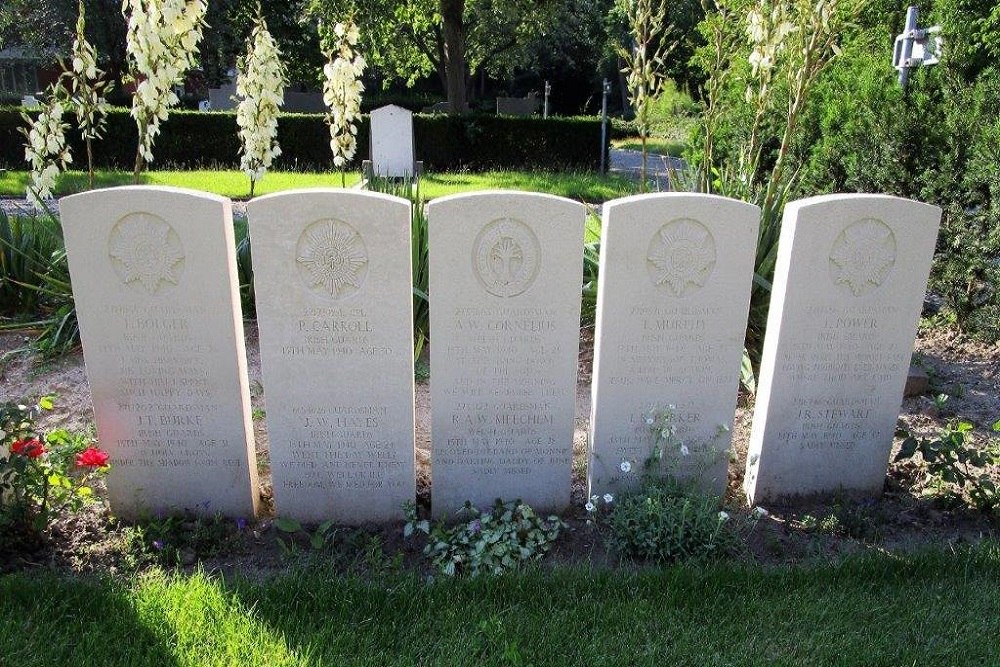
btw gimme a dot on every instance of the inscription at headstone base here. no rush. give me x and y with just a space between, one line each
673 298
333 289
154 280
505 276
847 294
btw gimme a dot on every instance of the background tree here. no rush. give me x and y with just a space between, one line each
454 39
50 25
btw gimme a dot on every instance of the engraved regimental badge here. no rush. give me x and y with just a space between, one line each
332 258
145 250
681 256
862 256
506 257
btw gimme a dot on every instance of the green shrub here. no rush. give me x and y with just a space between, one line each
191 139
667 521
27 245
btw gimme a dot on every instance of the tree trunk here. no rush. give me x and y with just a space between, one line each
452 12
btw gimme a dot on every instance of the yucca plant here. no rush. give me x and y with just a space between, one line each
787 44
244 267
35 286
409 188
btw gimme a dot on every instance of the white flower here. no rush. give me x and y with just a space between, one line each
342 90
723 516
260 86
46 151
86 84
649 421
626 466
590 507
685 451
759 512
162 43
608 498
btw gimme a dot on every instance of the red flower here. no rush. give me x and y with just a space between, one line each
30 447
92 457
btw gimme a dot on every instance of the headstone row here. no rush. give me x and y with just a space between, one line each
154 276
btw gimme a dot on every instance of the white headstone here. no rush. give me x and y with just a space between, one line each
334 298
505 280
673 297
848 289
392 141
154 280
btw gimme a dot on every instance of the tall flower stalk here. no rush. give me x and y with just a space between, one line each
342 90
87 90
787 45
644 66
260 86
162 44
46 150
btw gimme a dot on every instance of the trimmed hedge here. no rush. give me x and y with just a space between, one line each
191 139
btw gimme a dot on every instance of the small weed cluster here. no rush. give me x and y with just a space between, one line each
41 475
666 519
179 539
295 533
955 467
492 541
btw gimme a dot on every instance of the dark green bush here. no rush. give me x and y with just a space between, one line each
191 139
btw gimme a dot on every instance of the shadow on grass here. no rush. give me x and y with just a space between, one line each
48 620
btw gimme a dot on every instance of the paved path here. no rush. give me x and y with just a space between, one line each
658 167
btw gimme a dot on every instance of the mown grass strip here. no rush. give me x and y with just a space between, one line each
933 608
588 187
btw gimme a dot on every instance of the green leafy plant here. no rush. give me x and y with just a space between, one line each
666 518
492 541
644 68
42 475
763 60
667 521
955 467
317 540
34 280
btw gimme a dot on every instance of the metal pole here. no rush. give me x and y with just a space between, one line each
908 37
548 89
604 121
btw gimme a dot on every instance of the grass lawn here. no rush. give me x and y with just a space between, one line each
590 187
934 608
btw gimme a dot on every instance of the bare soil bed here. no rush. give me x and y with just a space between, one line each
903 518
